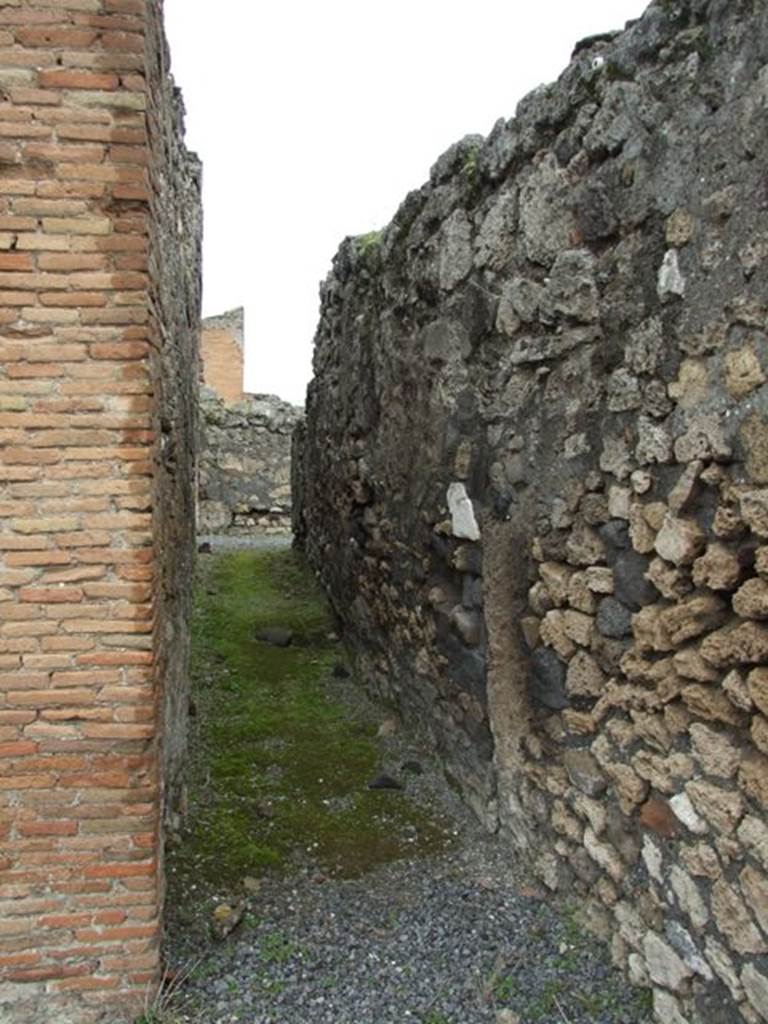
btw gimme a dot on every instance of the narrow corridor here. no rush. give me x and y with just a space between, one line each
326 872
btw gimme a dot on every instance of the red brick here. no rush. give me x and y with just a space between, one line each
110 917
26 782
16 261
47 698
126 42
78 299
23 680
116 731
16 717
116 658
125 6
48 828
67 643
87 984
65 920
126 22
50 557
48 37
71 261
14 223
104 780
27 975
84 678
51 594
72 79
27 959
18 749
136 961
34 97
125 870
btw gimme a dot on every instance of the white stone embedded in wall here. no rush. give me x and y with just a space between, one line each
684 810
463 521
671 280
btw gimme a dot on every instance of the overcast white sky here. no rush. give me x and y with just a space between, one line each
314 119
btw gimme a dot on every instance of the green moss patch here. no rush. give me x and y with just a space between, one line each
278 768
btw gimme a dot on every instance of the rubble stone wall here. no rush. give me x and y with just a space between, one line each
245 464
534 481
99 309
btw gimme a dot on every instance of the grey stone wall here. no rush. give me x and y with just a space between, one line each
534 482
245 464
175 276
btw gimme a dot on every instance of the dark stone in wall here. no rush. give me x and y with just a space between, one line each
630 585
548 679
614 619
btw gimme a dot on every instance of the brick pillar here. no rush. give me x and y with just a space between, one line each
80 779
221 348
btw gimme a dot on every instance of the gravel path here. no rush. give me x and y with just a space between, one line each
456 940
462 937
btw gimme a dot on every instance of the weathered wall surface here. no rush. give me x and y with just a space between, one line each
175 290
221 351
534 482
245 464
94 445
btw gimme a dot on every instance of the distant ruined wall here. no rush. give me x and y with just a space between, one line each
534 480
245 464
245 440
221 350
99 324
